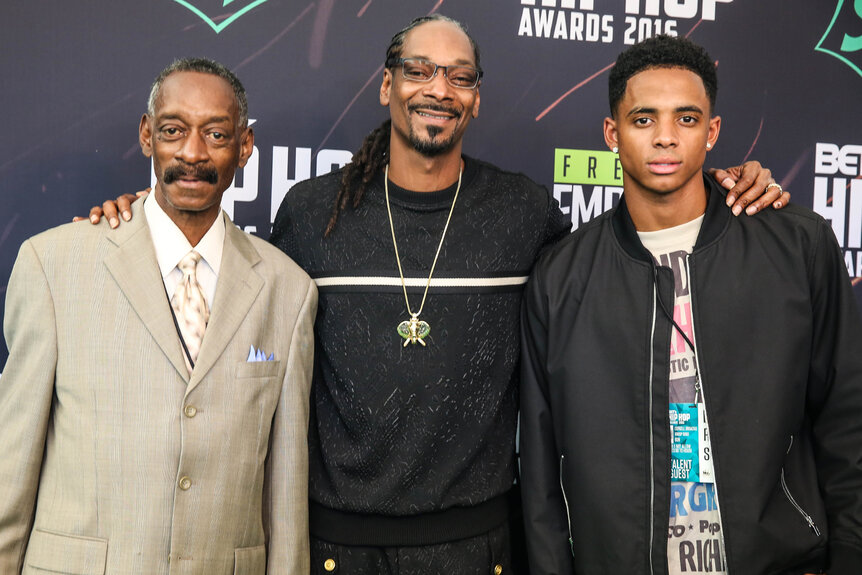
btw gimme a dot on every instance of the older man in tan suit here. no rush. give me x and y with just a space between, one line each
154 406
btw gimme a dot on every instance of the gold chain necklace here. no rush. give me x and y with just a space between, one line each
415 330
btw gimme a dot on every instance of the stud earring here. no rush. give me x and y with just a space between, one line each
615 149
708 146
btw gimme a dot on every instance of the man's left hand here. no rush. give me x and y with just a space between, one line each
750 188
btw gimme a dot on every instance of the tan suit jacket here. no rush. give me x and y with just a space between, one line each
113 460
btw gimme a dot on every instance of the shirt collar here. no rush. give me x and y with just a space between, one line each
171 244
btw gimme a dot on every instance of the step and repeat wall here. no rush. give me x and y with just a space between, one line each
76 77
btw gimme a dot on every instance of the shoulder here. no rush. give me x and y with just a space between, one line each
587 236
274 262
320 189
794 224
579 246
73 238
313 198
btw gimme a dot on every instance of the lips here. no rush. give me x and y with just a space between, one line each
432 113
664 166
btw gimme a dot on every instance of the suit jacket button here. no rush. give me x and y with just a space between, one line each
190 410
329 564
185 483
498 569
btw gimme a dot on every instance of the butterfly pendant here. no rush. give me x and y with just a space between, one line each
414 330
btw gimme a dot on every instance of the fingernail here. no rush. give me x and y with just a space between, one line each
730 199
94 219
736 210
751 210
728 183
127 215
777 204
114 222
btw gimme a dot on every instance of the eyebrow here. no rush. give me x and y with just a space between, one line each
212 120
458 62
645 110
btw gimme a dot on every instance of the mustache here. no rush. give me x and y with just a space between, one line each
435 107
204 173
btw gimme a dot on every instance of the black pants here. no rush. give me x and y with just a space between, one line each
486 554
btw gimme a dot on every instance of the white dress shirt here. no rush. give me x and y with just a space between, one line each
171 246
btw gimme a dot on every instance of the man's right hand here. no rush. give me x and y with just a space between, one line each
111 208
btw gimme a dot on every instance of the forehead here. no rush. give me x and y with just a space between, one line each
196 95
441 42
665 87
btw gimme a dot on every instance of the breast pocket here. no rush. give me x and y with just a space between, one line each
69 554
252 369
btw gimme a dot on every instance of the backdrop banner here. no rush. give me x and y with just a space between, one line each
77 76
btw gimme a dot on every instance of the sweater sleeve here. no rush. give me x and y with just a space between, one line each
557 225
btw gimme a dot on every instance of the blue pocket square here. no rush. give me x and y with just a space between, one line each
258 355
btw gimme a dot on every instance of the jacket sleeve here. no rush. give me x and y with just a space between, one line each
26 392
286 482
545 509
835 401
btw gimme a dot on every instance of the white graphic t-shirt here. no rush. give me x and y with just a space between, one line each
695 542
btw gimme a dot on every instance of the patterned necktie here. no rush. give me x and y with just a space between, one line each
190 307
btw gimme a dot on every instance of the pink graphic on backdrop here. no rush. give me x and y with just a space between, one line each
363 9
318 34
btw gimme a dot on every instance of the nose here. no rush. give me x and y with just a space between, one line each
438 86
194 149
665 135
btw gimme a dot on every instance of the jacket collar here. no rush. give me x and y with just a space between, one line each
714 222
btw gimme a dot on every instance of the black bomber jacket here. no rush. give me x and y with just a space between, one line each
779 348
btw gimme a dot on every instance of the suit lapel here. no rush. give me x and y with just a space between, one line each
134 267
236 291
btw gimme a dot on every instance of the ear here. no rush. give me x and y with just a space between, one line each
385 87
145 136
714 129
477 102
246 146
610 132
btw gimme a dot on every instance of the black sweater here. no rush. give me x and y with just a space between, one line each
398 430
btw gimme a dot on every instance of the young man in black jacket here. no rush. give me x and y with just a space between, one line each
653 438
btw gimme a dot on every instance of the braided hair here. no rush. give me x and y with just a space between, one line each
373 154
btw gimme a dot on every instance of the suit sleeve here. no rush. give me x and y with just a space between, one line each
286 483
835 401
545 509
26 392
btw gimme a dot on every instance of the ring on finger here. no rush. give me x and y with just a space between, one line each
774 185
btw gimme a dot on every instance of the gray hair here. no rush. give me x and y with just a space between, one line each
397 42
204 66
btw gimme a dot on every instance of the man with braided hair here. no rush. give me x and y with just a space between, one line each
420 255
415 397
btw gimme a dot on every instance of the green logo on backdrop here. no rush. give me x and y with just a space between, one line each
227 21
592 167
843 37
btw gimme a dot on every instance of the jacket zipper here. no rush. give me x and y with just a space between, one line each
700 383
566 503
649 418
808 519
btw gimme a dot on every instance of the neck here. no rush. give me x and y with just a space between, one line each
411 170
651 211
